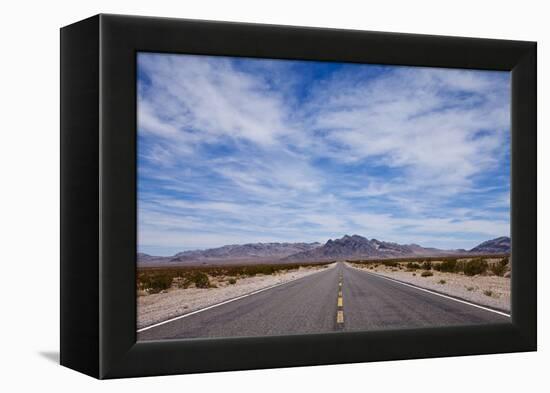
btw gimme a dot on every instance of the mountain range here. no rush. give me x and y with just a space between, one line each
245 251
347 247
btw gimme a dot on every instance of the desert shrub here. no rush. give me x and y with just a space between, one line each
459 267
500 267
232 281
157 283
488 292
200 279
447 266
413 265
442 282
469 289
426 273
414 274
475 266
427 265
390 263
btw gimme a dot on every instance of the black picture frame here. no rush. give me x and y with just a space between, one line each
98 195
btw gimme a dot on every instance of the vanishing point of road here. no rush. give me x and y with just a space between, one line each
340 298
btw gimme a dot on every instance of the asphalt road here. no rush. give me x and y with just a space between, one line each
337 299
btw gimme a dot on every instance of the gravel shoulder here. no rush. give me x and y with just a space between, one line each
490 291
174 302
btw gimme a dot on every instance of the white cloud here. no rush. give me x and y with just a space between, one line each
407 120
211 96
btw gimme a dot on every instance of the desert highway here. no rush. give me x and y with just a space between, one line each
340 298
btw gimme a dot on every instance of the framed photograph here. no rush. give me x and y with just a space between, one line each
240 196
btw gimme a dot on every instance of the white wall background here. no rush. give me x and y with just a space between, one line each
29 194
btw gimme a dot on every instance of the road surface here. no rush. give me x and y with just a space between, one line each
341 298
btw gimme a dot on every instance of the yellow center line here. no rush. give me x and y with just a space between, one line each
340 304
340 317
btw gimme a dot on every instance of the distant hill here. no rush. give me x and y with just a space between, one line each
347 247
234 253
493 246
145 257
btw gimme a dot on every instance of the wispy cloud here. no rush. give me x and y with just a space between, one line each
243 150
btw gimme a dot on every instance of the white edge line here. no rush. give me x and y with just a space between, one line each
219 304
436 293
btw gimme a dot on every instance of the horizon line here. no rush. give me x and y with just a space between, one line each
183 249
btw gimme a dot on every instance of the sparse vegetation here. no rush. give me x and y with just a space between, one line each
154 279
156 284
469 289
419 260
413 265
426 273
459 267
442 282
470 266
475 266
447 266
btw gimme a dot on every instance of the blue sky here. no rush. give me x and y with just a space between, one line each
237 150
